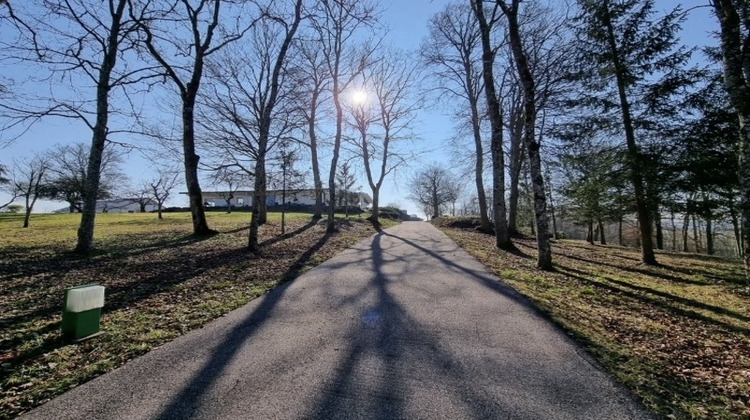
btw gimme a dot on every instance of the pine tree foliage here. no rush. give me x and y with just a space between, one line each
630 90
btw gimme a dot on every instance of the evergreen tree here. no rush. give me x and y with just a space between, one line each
630 71
705 165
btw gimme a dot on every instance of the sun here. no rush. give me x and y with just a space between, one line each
359 97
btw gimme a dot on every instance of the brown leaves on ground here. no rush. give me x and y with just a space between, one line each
678 335
160 283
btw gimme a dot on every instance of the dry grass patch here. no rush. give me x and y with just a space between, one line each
677 335
161 282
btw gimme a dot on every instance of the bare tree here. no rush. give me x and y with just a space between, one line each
453 51
544 251
433 188
141 196
81 42
68 172
495 111
336 23
549 53
28 180
183 55
313 78
391 80
162 186
267 117
290 177
249 99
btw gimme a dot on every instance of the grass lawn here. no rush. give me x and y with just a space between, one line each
677 335
160 283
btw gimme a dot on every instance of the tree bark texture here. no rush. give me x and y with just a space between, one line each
685 230
191 159
317 182
659 230
544 250
552 211
331 224
484 219
502 237
516 158
259 186
696 238
737 231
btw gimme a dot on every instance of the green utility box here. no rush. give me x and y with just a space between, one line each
82 310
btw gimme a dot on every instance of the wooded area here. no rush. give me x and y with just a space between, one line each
592 113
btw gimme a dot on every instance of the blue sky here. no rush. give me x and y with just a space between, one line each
407 21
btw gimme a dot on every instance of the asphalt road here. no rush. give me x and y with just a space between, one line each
402 325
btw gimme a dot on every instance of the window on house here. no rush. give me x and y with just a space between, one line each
240 201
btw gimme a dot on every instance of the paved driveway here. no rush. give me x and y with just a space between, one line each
402 325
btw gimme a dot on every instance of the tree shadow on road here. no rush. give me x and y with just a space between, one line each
387 332
188 400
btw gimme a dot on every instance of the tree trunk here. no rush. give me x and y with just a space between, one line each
634 156
259 185
263 210
685 229
552 212
736 69
516 163
502 237
602 240
330 225
737 233
484 219
85 244
375 202
435 200
544 251
590 234
197 211
27 213
159 211
659 232
317 182
696 238
260 212
674 232
709 237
